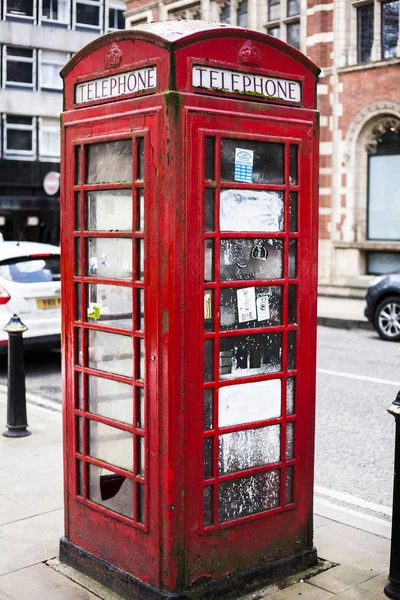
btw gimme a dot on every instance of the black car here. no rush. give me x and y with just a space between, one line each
383 306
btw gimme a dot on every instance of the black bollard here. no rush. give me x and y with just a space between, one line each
16 401
392 589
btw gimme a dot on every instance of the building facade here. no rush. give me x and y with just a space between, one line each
357 45
37 37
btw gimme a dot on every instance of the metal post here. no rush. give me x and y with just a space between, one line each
16 401
392 589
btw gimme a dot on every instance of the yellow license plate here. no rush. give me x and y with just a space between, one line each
44 303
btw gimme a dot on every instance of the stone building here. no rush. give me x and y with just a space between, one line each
357 45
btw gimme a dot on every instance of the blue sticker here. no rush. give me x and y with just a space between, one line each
244 165
104 260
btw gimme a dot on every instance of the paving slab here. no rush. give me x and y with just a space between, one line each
340 578
360 593
304 589
376 584
320 521
10 511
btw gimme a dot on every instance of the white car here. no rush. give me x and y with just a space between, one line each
30 286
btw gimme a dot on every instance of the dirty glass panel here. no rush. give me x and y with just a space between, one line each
109 305
291 350
251 210
208 360
79 478
293 214
78 302
111 445
247 449
208 260
208 458
113 491
78 346
290 395
140 259
79 446
140 209
208 310
208 408
77 243
78 390
140 407
243 308
248 495
77 165
140 158
243 259
209 209
77 211
292 304
140 309
293 172
110 398
109 258
210 158
140 358
208 512
289 441
110 352
109 162
254 162
249 355
140 458
248 402
140 503
289 485
292 259
108 210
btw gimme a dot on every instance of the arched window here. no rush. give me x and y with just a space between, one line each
242 14
225 14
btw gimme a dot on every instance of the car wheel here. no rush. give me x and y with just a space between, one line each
387 318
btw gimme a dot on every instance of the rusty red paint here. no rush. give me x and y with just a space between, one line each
170 547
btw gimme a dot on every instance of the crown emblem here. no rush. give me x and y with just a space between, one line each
249 55
113 57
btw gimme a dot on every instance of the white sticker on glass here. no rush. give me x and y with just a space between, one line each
244 165
251 210
263 308
248 402
246 300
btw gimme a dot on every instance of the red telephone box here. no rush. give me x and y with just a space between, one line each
189 246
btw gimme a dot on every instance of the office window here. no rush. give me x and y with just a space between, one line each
293 34
20 8
87 14
242 20
365 32
116 18
274 31
225 14
389 28
49 138
19 136
19 66
293 8
274 10
55 10
51 64
281 22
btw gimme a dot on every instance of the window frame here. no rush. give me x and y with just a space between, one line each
382 4
377 49
96 3
241 14
32 61
41 85
11 16
115 7
20 154
48 156
43 20
283 22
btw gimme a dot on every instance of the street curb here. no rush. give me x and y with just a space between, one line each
341 323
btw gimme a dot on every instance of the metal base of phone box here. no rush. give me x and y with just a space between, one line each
230 587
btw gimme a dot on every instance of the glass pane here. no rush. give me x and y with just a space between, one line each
292 259
140 309
208 360
113 491
208 260
210 158
293 34
140 259
79 445
77 164
109 258
208 458
140 457
289 485
249 355
208 512
290 395
140 359
109 162
261 306
79 478
293 203
140 407
110 352
365 32
78 302
247 449
293 8
291 350
251 210
274 31
78 347
293 174
292 305
390 28
19 140
109 210
209 209
140 209
380 263
248 402
255 162
77 211
289 441
78 390
243 259
111 445
87 14
140 158
383 203
274 10
110 398
77 244
140 503
109 305
248 495
208 409
208 310
19 72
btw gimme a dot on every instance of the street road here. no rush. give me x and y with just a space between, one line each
358 377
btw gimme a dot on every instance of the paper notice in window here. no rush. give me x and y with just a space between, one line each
263 308
246 300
